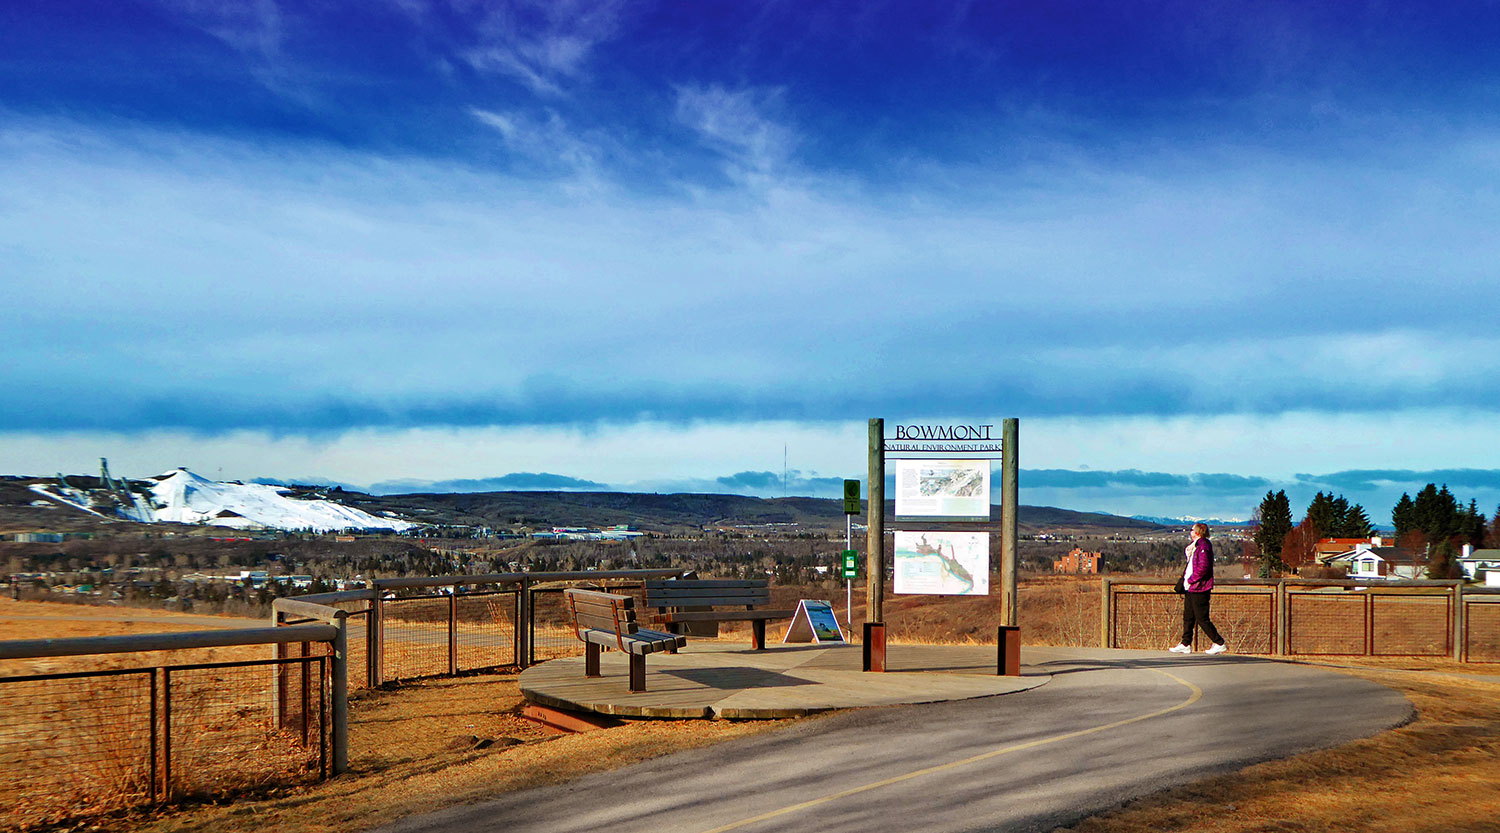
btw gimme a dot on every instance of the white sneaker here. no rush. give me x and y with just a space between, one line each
1217 649
1184 649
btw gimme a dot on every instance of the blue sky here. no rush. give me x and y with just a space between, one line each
652 245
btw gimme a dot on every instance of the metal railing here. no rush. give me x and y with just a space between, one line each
438 626
85 744
1316 617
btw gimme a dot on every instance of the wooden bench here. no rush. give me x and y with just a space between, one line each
677 601
607 620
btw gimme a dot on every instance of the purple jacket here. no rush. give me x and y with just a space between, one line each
1199 575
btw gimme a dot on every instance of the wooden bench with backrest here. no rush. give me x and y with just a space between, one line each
679 601
608 620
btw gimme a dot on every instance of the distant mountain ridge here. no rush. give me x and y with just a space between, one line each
677 510
1185 521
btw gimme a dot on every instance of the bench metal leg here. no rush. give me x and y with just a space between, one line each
758 635
637 672
591 660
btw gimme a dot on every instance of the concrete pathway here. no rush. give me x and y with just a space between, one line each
1108 726
728 680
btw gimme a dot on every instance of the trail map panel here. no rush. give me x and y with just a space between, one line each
947 490
943 563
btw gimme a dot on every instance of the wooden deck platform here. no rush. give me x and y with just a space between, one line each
728 680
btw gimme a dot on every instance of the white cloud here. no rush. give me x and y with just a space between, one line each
734 122
544 44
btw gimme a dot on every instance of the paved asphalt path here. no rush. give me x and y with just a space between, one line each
1108 726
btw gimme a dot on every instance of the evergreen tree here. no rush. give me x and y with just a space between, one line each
1322 516
1403 516
1356 523
1275 513
1473 526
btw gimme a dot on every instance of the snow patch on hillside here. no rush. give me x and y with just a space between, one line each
180 496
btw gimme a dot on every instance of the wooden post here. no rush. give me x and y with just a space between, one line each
453 632
1369 621
376 650
874 631
278 676
523 625
1460 623
1279 638
1010 493
340 693
1106 637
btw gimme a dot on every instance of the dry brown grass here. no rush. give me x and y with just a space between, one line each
1440 773
412 751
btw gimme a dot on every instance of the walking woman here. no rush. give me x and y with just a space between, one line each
1197 582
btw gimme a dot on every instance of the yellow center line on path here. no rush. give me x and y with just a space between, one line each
1005 750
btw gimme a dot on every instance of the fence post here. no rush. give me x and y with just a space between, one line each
1105 635
372 640
375 649
341 693
1283 619
1460 623
453 632
278 676
523 625
1369 621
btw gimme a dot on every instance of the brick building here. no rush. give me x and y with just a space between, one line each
1078 561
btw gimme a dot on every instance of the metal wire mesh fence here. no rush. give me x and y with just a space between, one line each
1329 622
1316 617
415 637
231 727
486 629
75 746
1411 626
1151 619
1482 642
551 633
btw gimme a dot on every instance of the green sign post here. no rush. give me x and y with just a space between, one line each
851 564
851 497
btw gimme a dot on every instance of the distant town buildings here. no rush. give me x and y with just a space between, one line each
1078 561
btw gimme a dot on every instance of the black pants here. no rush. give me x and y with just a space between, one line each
1195 614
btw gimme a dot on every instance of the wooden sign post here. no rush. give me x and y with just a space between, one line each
1008 660
874 632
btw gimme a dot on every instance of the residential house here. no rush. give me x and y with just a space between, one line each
1373 561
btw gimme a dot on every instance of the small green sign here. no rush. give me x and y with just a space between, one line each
851 564
851 497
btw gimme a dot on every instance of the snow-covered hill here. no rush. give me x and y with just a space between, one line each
180 496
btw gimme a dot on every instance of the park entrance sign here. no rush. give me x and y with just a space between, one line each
942 485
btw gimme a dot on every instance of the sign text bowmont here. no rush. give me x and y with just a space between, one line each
944 438
944 432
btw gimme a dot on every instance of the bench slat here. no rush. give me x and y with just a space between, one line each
591 606
656 584
636 643
606 623
600 597
721 615
707 601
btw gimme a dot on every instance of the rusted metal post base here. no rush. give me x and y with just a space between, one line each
874 646
637 672
1008 659
591 660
